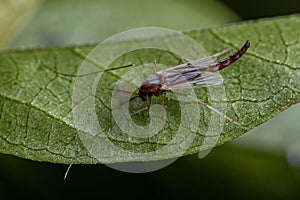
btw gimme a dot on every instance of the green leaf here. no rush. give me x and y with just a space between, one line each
35 104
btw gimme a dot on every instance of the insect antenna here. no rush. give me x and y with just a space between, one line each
87 74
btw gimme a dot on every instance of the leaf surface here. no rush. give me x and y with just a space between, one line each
36 119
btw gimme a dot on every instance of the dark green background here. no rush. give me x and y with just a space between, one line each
231 171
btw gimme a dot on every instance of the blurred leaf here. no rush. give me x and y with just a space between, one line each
35 104
280 135
61 22
13 16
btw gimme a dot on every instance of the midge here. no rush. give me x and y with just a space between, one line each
194 73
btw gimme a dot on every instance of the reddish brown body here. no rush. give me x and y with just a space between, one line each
148 89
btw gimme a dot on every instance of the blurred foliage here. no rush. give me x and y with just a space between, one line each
10 23
65 22
258 9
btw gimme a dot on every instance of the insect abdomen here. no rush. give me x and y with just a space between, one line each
231 59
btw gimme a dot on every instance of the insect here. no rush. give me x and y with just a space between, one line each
194 73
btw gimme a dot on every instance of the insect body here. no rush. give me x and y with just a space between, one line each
194 73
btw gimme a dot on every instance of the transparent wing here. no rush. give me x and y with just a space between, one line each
195 73
189 76
200 63
209 79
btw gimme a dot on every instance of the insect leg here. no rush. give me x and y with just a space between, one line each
67 171
183 59
139 73
79 153
154 66
143 109
163 116
211 108
222 52
73 160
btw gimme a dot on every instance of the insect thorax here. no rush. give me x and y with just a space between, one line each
151 86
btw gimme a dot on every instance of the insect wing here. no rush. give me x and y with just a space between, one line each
199 63
193 73
208 79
